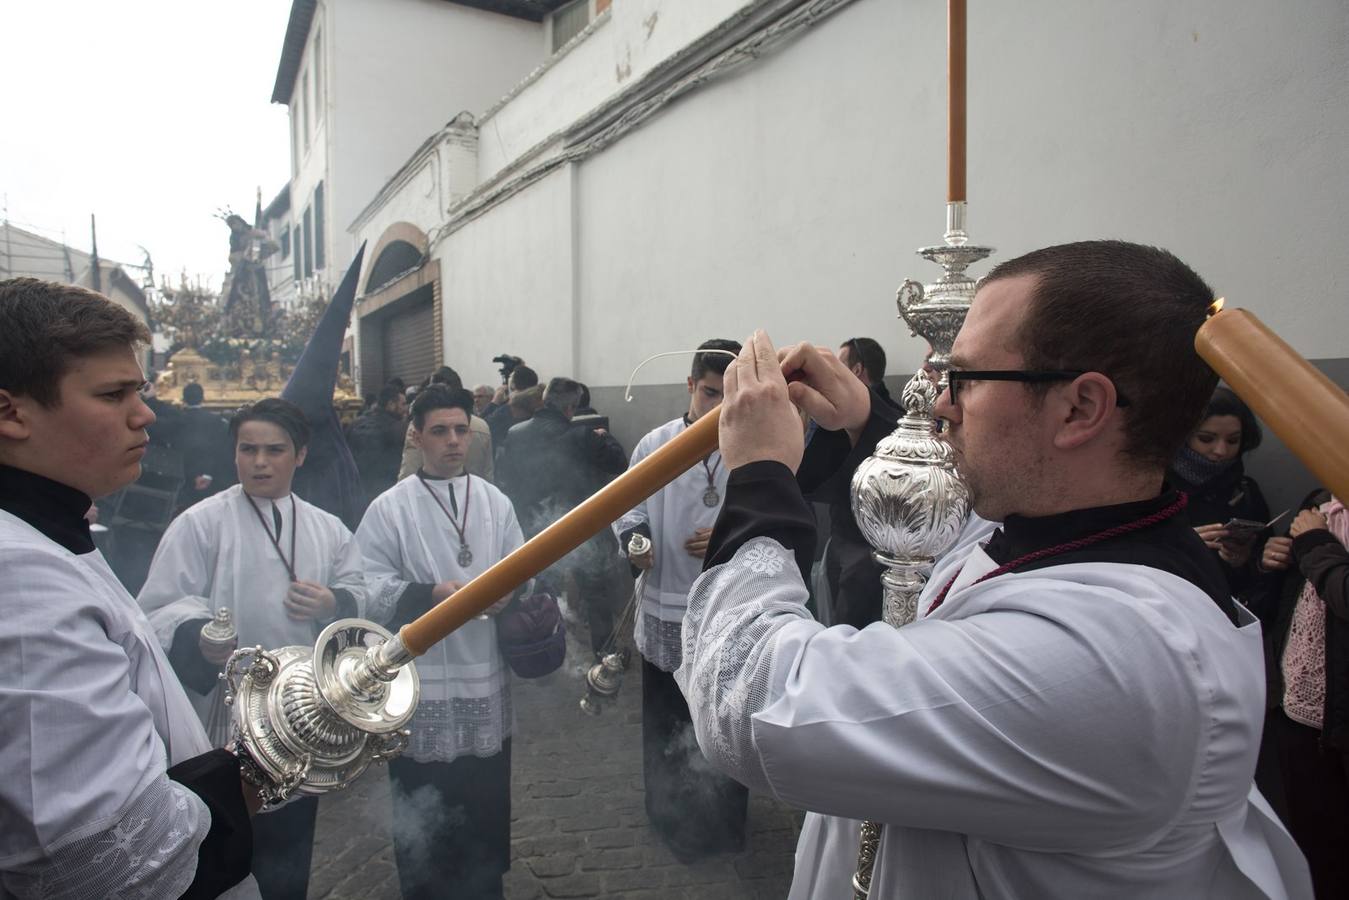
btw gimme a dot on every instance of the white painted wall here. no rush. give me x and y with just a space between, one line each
508 284
793 194
628 41
403 68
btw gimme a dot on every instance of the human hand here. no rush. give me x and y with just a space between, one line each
697 544
1307 520
827 391
307 600
644 560
202 482
757 418
444 589
1235 551
1278 554
501 394
1212 535
213 653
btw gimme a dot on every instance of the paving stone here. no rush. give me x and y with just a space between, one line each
584 884
611 838
552 866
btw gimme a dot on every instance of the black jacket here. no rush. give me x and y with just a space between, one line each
549 465
376 442
1320 558
1231 495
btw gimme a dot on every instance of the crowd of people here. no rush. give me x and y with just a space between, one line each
1123 644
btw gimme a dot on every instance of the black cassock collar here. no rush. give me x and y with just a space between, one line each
57 510
1171 545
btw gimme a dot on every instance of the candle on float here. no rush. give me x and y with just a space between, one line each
1297 401
955 101
565 535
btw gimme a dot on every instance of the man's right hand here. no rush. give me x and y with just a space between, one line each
1212 535
1278 554
644 560
444 589
826 391
213 653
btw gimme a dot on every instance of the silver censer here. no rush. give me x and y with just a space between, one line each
907 497
311 721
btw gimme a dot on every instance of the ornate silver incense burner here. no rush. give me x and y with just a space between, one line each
908 499
311 721
603 681
220 631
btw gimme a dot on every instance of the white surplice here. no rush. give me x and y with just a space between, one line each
91 717
1083 730
217 553
673 513
465 705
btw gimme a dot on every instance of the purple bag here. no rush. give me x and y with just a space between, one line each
532 635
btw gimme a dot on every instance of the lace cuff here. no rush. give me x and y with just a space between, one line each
736 614
150 853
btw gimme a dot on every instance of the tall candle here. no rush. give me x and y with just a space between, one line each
955 101
566 534
1304 408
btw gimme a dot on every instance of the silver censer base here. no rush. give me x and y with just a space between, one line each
308 721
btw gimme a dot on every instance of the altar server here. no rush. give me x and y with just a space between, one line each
1076 712
108 785
423 539
694 809
284 569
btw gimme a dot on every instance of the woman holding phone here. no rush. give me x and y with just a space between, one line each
1209 469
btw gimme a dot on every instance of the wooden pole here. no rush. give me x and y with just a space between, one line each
1305 409
955 101
565 535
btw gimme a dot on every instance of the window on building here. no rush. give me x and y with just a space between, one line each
569 21
294 139
308 232
297 264
304 112
318 227
318 78
285 242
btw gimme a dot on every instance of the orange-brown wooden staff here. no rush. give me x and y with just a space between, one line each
1305 409
565 535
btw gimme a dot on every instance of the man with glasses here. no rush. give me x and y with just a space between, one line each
1076 711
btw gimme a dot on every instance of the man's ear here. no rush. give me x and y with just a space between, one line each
14 423
690 379
416 435
299 457
1087 408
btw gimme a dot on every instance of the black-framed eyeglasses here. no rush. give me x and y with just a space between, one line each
1030 376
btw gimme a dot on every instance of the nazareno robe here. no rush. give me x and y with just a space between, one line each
217 554
669 517
108 785
1084 728
409 547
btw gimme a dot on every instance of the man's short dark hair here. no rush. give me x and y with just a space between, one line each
1225 402
193 394
869 353
440 396
1131 313
281 413
713 362
562 394
45 327
398 383
584 402
448 377
522 377
388 394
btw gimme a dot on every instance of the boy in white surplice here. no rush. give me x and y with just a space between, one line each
109 787
694 809
284 568
423 539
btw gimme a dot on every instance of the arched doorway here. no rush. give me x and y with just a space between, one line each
399 320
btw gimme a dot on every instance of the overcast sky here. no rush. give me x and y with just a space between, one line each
152 114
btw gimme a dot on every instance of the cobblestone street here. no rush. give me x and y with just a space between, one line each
579 828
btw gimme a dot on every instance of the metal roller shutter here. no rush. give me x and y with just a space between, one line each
410 344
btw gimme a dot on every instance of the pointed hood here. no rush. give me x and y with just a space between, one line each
328 479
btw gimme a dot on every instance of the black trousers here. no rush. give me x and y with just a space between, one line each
283 845
695 809
1316 789
452 826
